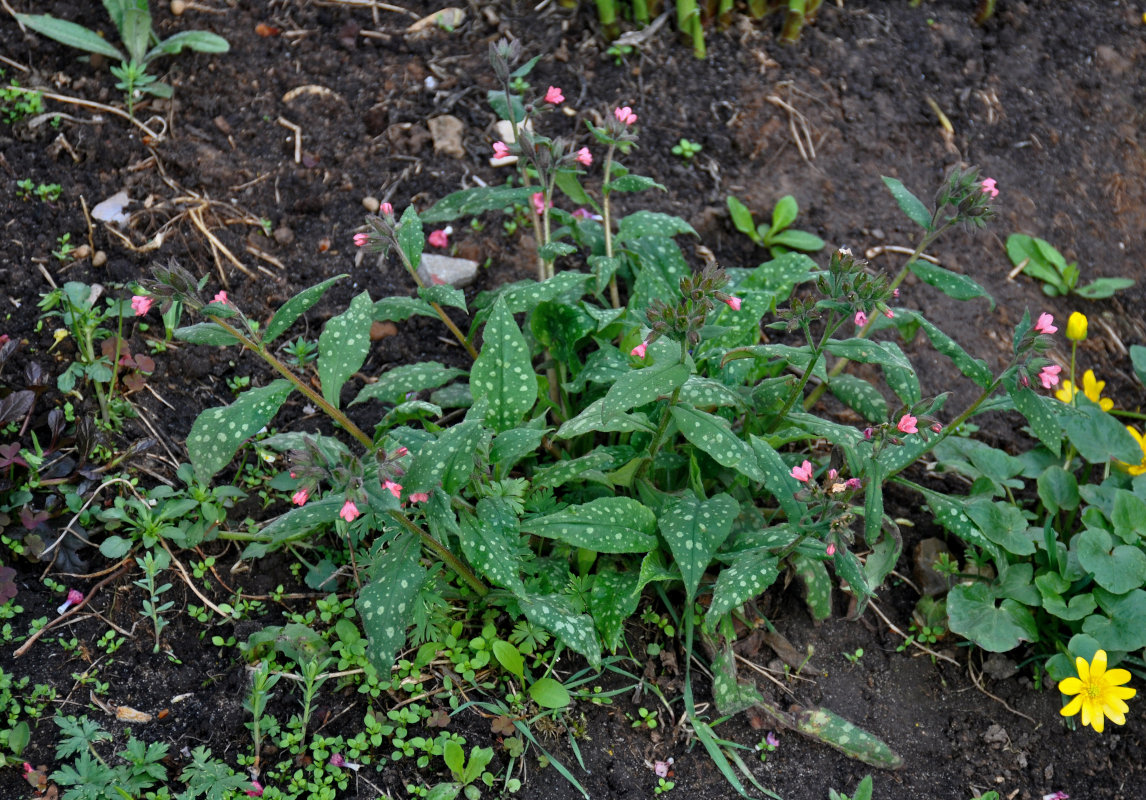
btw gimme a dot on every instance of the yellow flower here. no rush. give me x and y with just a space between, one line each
1098 692
1139 468
1076 327
1090 387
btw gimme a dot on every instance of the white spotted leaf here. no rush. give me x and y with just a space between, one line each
641 386
484 545
576 630
953 284
511 446
713 435
858 394
974 368
503 373
218 432
751 573
694 530
778 479
651 223
908 203
295 307
295 524
386 604
449 461
562 472
410 236
706 392
867 352
397 309
593 420
208 333
443 295
393 386
605 525
612 600
343 346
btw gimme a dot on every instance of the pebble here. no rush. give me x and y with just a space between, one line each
446 131
457 272
283 234
931 583
382 330
99 259
371 204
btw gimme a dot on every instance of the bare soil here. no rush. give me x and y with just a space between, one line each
1048 98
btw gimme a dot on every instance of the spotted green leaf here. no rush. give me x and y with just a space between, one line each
443 295
474 201
817 585
694 530
576 630
613 599
974 368
449 461
294 525
559 327
564 471
394 385
1096 435
387 603
484 544
1037 409
410 236
397 309
641 386
908 203
343 346
952 284
411 409
633 183
834 432
749 574
708 393
778 479
208 333
951 513
295 307
511 446
606 525
860 395
593 420
731 696
218 432
603 366
904 382
713 435
526 295
503 373
851 740
867 352
660 268
651 223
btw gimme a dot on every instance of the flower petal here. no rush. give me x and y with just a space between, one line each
1083 669
1116 677
1098 666
1121 692
1072 708
1070 686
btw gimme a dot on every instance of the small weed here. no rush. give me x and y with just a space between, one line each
686 150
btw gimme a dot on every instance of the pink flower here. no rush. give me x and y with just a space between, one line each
300 497
861 319
336 760
256 790
895 293
500 150
554 96
387 209
1049 375
539 204
141 304
867 433
582 213
1045 324
936 427
988 185
732 302
349 511
853 484
803 473
584 157
221 297
833 474
772 739
830 549
661 768
73 598
640 350
625 115
439 238
395 488
887 312
401 451
907 424
361 239
419 497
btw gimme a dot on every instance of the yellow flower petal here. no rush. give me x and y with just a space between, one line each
1083 669
1121 692
1070 686
1072 708
1097 667
1114 709
1066 393
1116 677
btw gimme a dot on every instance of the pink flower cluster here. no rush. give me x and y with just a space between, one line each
625 115
988 185
141 304
584 157
439 238
554 96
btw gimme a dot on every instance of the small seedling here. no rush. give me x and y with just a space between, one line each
862 792
644 719
664 785
854 657
619 52
778 237
686 150
64 246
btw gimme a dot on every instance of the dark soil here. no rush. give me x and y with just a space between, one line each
1047 98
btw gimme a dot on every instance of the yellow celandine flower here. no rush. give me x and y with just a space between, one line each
1098 692
1139 468
1076 327
1091 387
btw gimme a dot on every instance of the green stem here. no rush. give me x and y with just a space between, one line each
443 553
798 389
658 437
260 350
840 365
614 294
449 323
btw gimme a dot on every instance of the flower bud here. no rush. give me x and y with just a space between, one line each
1076 327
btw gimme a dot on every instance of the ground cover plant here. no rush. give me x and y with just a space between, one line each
625 474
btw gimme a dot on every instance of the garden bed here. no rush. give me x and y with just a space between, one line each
269 151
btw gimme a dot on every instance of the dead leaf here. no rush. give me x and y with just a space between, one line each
502 726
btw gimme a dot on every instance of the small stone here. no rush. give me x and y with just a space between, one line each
447 133
931 582
382 330
99 259
371 204
81 253
1111 60
457 272
999 667
222 124
996 736
283 234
